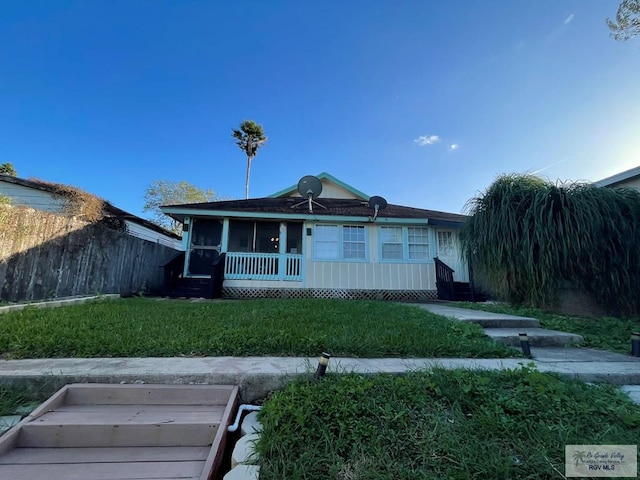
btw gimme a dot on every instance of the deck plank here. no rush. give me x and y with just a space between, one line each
101 455
98 394
130 414
132 435
159 408
102 471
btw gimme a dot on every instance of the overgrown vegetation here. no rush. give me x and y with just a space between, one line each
526 237
8 169
148 327
437 424
12 398
606 333
77 202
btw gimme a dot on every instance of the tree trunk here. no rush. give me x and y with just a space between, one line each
246 183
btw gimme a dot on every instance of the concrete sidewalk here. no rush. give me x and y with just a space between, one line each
257 376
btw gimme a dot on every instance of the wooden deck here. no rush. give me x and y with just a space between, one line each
121 432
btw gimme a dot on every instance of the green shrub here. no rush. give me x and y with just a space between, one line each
526 237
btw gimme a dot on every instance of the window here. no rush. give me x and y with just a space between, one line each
445 243
353 242
334 242
326 242
392 243
260 237
418 243
404 243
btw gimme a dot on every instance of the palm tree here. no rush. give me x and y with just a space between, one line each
8 169
249 138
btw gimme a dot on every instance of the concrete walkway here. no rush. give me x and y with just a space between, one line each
257 376
505 329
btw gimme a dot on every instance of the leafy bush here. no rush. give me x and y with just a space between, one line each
526 237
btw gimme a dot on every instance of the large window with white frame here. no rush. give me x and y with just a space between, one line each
340 242
404 243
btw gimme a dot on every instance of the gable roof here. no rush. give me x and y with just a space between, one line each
57 190
619 177
284 208
293 189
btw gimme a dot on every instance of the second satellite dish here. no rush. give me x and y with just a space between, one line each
377 203
310 188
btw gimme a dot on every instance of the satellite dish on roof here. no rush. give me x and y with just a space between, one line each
309 187
377 203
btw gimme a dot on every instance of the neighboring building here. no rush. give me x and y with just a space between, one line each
629 178
57 198
275 246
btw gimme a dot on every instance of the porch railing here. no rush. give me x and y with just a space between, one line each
263 266
444 280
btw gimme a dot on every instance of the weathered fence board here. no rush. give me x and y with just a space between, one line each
49 255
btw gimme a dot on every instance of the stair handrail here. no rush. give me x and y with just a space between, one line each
444 280
217 276
173 269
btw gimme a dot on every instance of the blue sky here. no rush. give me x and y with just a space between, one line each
422 102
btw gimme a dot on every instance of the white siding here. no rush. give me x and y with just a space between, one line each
370 276
331 190
262 284
22 196
140 231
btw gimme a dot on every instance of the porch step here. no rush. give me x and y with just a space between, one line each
191 288
462 293
538 337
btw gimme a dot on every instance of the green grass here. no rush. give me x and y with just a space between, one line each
606 333
12 397
437 425
148 327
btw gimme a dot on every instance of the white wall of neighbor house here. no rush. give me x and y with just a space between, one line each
31 197
140 231
630 183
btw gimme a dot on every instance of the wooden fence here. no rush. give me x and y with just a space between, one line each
48 255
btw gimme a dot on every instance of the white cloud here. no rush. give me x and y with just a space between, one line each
454 146
568 19
424 140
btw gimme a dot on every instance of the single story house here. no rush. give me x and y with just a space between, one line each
629 179
51 197
337 243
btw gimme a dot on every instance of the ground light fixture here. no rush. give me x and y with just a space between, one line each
524 344
635 344
322 365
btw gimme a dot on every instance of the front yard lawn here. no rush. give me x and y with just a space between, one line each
449 424
606 333
143 327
